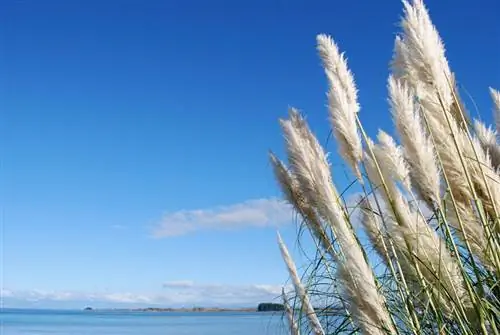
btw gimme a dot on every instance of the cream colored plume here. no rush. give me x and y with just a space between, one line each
488 139
419 59
484 177
495 96
309 164
417 147
393 159
342 102
293 194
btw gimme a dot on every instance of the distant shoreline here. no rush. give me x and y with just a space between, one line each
263 307
182 310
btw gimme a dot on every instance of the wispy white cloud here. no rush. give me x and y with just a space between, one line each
251 213
179 293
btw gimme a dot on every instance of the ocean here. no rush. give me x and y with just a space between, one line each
46 322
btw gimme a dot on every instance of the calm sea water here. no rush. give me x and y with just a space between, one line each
45 322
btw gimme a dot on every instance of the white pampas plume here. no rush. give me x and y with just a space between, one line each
342 101
488 139
449 156
420 58
400 64
380 179
393 159
417 146
421 54
294 328
495 96
307 307
309 164
291 190
478 162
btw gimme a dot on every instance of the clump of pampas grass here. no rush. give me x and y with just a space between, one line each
430 202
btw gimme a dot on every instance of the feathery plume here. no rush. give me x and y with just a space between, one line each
488 139
378 178
420 58
393 159
449 156
342 102
421 54
308 162
293 194
400 64
300 290
417 147
478 162
495 96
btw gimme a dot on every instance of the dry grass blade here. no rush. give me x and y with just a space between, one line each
294 328
300 290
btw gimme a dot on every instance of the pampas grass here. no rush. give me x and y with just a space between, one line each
430 262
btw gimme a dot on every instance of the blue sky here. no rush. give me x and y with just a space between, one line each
135 136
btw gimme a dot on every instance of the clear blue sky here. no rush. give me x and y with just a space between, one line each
134 135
